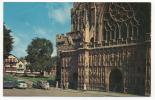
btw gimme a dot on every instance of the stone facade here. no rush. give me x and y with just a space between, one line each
108 48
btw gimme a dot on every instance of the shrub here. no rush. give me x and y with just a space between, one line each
8 77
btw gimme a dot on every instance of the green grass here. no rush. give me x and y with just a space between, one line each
8 77
35 79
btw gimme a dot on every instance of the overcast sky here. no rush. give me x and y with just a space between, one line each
30 20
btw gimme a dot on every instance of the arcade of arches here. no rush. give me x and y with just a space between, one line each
108 48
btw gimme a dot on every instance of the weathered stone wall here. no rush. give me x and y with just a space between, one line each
109 44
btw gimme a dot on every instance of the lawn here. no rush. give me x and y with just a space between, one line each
10 77
35 79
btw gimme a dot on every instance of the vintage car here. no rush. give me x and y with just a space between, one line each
9 84
41 85
21 84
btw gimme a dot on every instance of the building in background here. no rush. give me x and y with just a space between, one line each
108 48
13 65
53 71
10 64
21 67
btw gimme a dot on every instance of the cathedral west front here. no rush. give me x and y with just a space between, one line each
108 48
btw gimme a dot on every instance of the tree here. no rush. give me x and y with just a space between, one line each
8 41
39 54
54 60
22 59
53 63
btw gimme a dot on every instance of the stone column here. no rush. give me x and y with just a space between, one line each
106 79
95 22
86 69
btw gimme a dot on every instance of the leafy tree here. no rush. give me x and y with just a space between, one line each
8 41
22 59
53 62
39 54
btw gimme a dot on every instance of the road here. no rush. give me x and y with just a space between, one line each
59 93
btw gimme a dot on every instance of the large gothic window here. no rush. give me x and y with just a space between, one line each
123 30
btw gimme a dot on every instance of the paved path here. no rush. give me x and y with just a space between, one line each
59 92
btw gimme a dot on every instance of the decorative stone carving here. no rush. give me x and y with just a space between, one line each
107 36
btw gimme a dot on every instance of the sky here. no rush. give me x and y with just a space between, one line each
30 20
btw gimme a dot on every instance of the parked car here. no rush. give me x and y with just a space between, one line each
8 84
37 85
41 85
46 85
21 84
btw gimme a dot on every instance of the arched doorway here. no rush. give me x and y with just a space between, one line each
74 81
116 81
